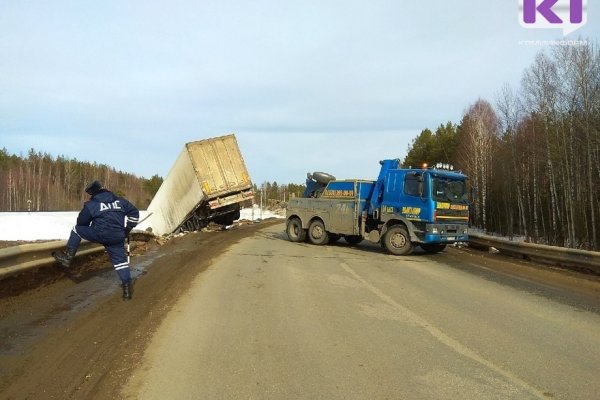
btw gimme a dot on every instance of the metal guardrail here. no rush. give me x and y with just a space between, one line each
17 259
547 254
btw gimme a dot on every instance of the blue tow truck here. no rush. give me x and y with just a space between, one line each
402 209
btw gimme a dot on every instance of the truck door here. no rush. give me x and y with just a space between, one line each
413 196
405 193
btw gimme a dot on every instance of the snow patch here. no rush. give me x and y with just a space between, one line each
58 225
256 214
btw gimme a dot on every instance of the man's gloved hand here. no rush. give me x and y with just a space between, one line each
128 230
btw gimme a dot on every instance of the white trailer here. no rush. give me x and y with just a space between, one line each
208 182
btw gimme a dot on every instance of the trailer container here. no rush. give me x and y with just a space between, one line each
208 182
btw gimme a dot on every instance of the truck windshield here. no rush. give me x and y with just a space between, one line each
446 189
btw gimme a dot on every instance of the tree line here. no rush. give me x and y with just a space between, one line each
269 192
41 182
533 154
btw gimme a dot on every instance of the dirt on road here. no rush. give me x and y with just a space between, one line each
71 336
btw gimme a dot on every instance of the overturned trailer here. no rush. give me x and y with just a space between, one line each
208 182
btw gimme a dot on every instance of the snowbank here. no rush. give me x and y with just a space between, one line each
58 225
36 225
253 214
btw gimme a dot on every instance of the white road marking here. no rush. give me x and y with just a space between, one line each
442 337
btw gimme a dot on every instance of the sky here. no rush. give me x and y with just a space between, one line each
325 85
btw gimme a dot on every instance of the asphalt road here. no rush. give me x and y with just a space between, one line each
271 319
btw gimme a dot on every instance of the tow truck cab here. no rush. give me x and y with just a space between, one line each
433 203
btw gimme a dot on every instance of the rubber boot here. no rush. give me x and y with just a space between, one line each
64 257
127 291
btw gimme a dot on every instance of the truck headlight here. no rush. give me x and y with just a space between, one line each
434 230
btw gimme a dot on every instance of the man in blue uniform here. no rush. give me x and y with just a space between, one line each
106 219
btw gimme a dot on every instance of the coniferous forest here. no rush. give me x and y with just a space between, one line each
40 182
533 152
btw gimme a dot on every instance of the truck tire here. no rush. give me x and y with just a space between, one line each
294 230
353 239
194 223
432 248
323 177
397 241
317 233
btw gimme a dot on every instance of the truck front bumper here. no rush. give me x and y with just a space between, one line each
445 233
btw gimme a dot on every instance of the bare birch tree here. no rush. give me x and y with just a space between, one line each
477 134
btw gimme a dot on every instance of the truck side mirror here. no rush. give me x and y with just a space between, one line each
420 186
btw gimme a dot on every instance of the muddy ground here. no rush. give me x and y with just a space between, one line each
71 336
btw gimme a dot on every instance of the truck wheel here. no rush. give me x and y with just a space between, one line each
432 248
317 233
353 239
397 241
294 230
